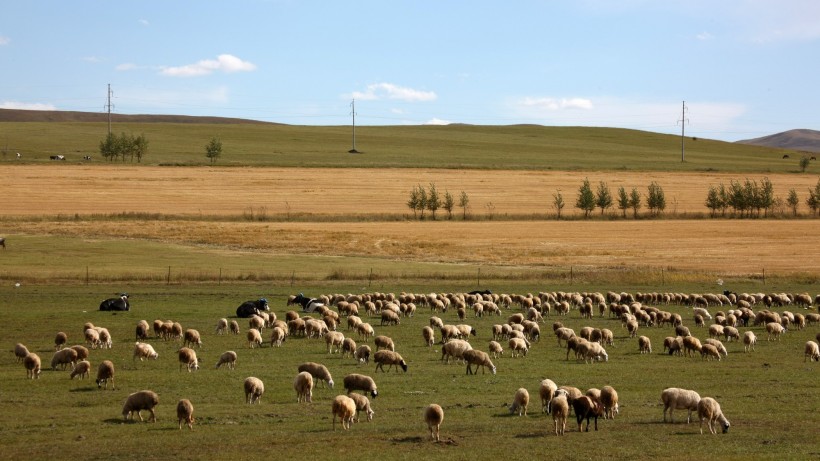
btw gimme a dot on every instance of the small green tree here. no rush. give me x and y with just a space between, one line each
766 196
433 200
413 201
655 199
213 150
448 204
793 201
804 163
422 202
109 147
713 202
140 147
464 202
558 203
603 198
623 200
635 201
586 199
813 200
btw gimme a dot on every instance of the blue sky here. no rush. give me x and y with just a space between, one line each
746 68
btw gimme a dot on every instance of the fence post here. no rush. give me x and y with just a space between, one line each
370 277
86 275
571 275
168 277
219 281
478 278
292 276
764 276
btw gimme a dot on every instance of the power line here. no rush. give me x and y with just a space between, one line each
108 106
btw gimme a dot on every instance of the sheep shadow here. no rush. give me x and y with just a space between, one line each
83 389
531 435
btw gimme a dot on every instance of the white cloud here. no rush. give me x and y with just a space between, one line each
26 105
437 121
126 66
91 59
557 104
223 63
704 36
376 91
4 40
144 22
766 21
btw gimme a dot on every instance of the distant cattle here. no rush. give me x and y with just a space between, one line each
86 157
116 304
785 155
19 156
308 304
3 242
57 157
249 308
812 157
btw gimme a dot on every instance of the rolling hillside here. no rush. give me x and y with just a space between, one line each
801 140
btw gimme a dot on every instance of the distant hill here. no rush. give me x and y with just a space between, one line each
15 115
802 140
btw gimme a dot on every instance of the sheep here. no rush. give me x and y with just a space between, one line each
362 404
495 349
520 402
105 373
709 410
60 340
185 413
436 322
389 358
812 352
560 410
82 352
20 351
32 364
192 338
64 357
389 317
365 331
774 330
384 342
632 327
141 330
277 337
449 332
519 346
303 385
353 322
674 398
547 391
749 341
570 392
718 345
429 336
157 327
362 354
592 352
222 326
702 312
227 358
357 382
644 345
609 399
334 339
345 408
607 337
434 416
455 349
715 330
233 326
106 342
709 351
187 358
479 359
730 333
586 408
319 372
92 337
464 331
144 351
691 345
348 347
256 322
254 338
564 333
138 401
254 388
82 369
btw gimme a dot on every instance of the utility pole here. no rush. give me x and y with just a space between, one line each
108 107
353 113
683 121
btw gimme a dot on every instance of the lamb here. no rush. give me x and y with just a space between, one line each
345 408
319 372
586 408
519 346
233 326
64 357
609 399
520 402
277 337
709 410
227 358
434 416
254 388
454 348
222 326
749 341
20 351
32 364
303 385
391 359
185 413
192 338
141 331
187 357
384 342
774 330
334 339
357 382
560 411
82 369
812 352
362 404
479 359
709 351
495 349
138 401
674 398
644 345
60 340
547 392
362 354
254 338
429 336
144 351
105 373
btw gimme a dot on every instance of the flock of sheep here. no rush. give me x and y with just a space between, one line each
724 314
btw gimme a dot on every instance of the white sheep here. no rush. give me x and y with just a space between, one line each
277 336
105 373
674 398
32 364
609 399
138 401
357 382
384 342
454 348
256 322
434 416
644 345
592 352
254 338
319 372
495 349
187 358
709 410
709 351
192 338
812 352
560 411
479 359
222 326
563 333
254 388
345 408
82 369
429 336
518 346
92 337
389 358
702 312
362 404
64 357
334 340
365 331
774 330
521 401
749 341
185 413
144 351
141 330
227 358
303 385
718 345
233 326
547 391
20 351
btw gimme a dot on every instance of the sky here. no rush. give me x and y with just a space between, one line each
744 68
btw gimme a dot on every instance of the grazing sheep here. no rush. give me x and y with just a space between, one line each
564 333
82 369
192 338
434 416
141 330
138 401
384 342
586 408
730 333
60 341
592 352
256 322
691 345
702 312
222 326
319 372
185 413
709 351
520 402
362 404
570 392
362 354
348 347
32 364
303 385
64 357
465 331
82 352
709 410
479 359
254 338
609 399
454 348
92 337
547 391
227 357
674 398
389 358
436 322
560 411
233 326
365 331
644 345
749 341
429 336
187 358
632 327
254 388
715 330
449 332
345 408
144 351
277 337
774 330
495 349
718 345
357 382
105 373
812 352
519 346
20 351
390 317
334 339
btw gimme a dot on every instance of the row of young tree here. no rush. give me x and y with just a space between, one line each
432 200
125 146
602 198
749 199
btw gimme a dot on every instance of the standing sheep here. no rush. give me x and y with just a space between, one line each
229 358
64 357
32 364
348 347
185 413
277 336
362 404
187 357
144 351
560 411
674 398
479 359
384 342
20 351
429 336
303 385
812 352
138 401
105 373
547 392
357 382
334 340
519 346
609 399
222 326
495 349
192 338
749 341
81 369
254 338
254 388
233 326
454 348
82 352
345 408
644 345
709 410
362 354
389 358
318 371
521 401
774 330
141 331
434 416
586 408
